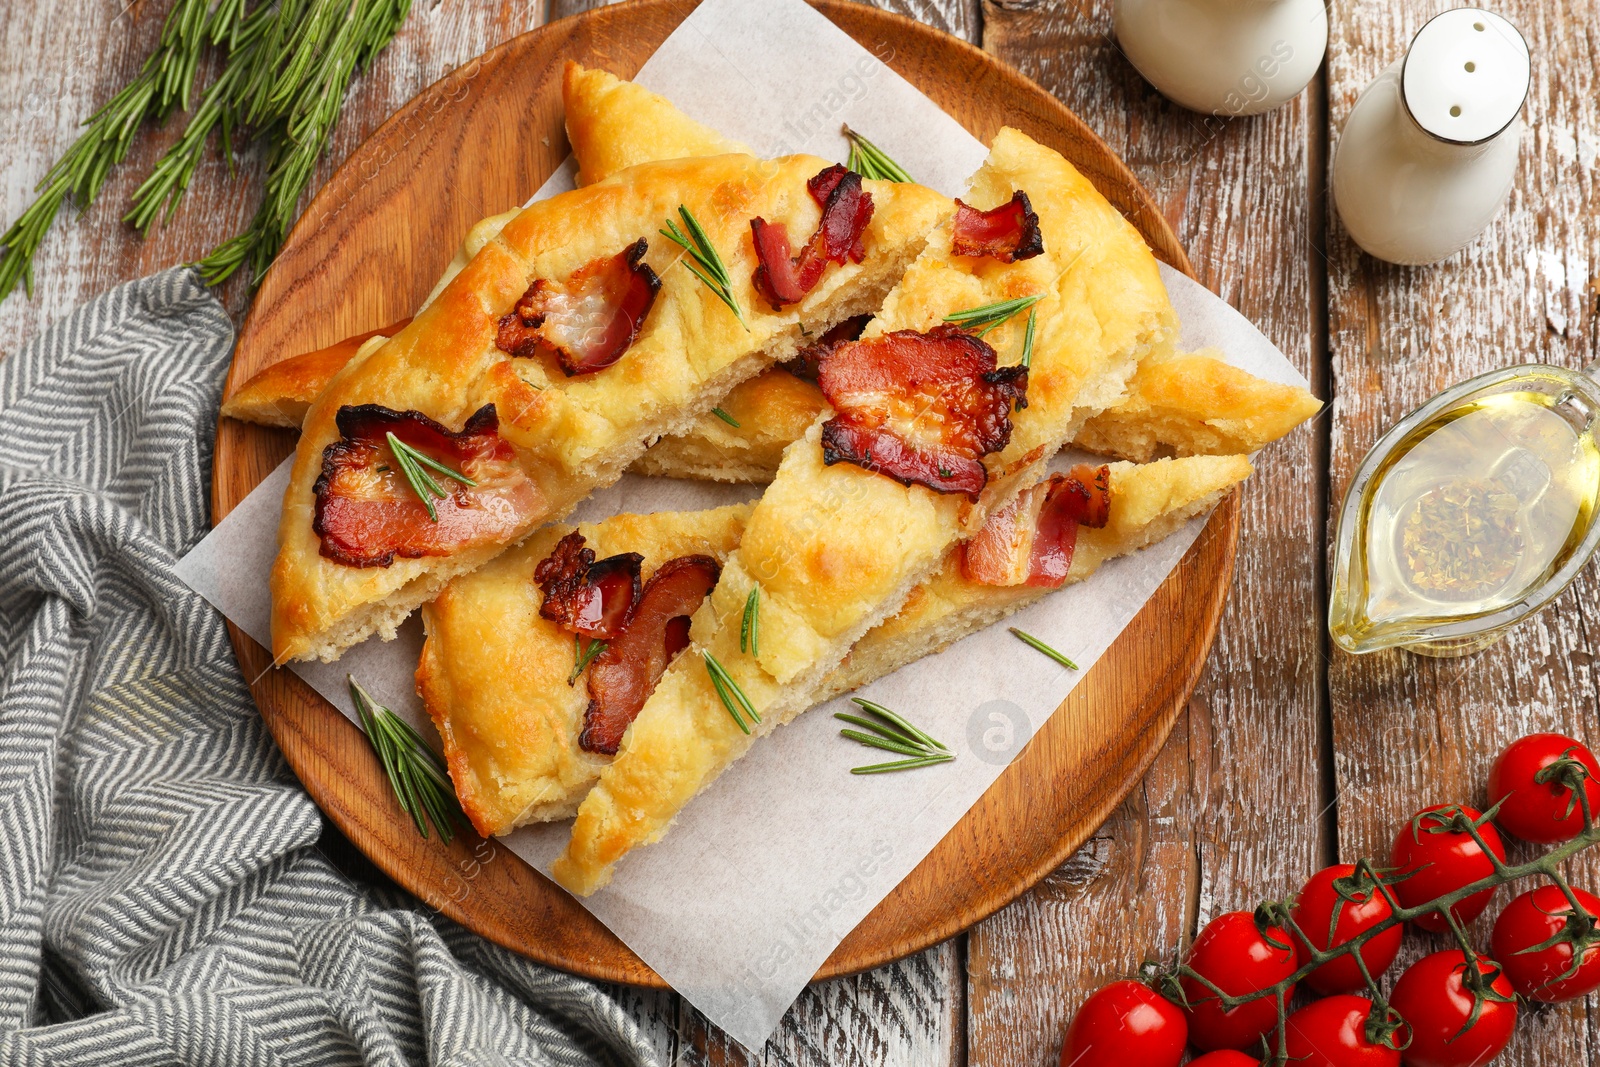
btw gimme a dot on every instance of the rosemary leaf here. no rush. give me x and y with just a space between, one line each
416 773
899 723
749 628
879 741
1034 642
582 657
1027 337
987 316
725 417
725 685
902 765
704 262
882 729
412 463
870 161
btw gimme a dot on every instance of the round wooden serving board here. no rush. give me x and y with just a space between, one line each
368 249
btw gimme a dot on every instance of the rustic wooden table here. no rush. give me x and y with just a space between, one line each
1290 754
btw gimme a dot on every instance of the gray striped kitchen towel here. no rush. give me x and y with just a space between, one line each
162 899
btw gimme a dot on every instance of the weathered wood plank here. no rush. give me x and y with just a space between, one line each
1412 731
1222 820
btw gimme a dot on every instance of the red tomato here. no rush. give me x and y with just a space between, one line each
1225 1057
1441 860
1541 811
1532 919
1331 890
1231 953
1124 1024
1333 1033
1433 999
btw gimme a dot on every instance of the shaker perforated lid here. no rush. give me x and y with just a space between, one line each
1466 75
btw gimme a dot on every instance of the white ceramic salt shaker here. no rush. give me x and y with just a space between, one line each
1224 57
1429 152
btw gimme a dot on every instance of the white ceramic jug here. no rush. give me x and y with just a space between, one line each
1429 152
1224 57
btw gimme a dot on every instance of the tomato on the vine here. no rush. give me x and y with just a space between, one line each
1538 801
1333 1033
1533 919
1435 998
1122 1024
1234 955
1225 1057
1359 905
1433 857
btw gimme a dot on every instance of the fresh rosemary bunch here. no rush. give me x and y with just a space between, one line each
416 773
286 66
162 84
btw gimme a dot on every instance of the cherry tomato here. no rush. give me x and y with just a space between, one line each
1225 1057
1440 860
1333 1033
1359 908
1436 1004
1232 953
1123 1024
1541 811
1529 921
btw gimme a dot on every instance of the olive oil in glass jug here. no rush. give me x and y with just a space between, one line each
1472 513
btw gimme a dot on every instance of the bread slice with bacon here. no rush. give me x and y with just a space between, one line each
508 686
574 336
926 434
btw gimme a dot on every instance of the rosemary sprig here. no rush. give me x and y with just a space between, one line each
416 773
1033 642
1027 337
163 83
870 161
750 626
732 696
986 317
703 262
422 483
725 417
583 656
893 733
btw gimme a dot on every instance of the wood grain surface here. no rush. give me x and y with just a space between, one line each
1277 732
481 138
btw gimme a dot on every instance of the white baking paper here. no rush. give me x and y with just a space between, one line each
768 870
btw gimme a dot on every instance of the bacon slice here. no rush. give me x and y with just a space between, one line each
367 513
590 320
1031 540
808 360
1007 233
622 677
846 210
921 408
584 596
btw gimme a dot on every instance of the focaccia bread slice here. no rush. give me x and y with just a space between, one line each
496 677
554 438
835 547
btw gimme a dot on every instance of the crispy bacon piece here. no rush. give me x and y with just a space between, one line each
1031 540
807 361
1008 233
921 408
366 512
591 598
588 321
846 210
622 677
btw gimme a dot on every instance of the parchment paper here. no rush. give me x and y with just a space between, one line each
768 870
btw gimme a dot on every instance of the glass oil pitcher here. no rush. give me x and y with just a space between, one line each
1472 513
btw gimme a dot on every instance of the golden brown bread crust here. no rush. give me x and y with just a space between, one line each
493 673
772 409
573 435
614 124
837 549
280 395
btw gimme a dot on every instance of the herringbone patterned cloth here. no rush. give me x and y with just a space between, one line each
161 897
